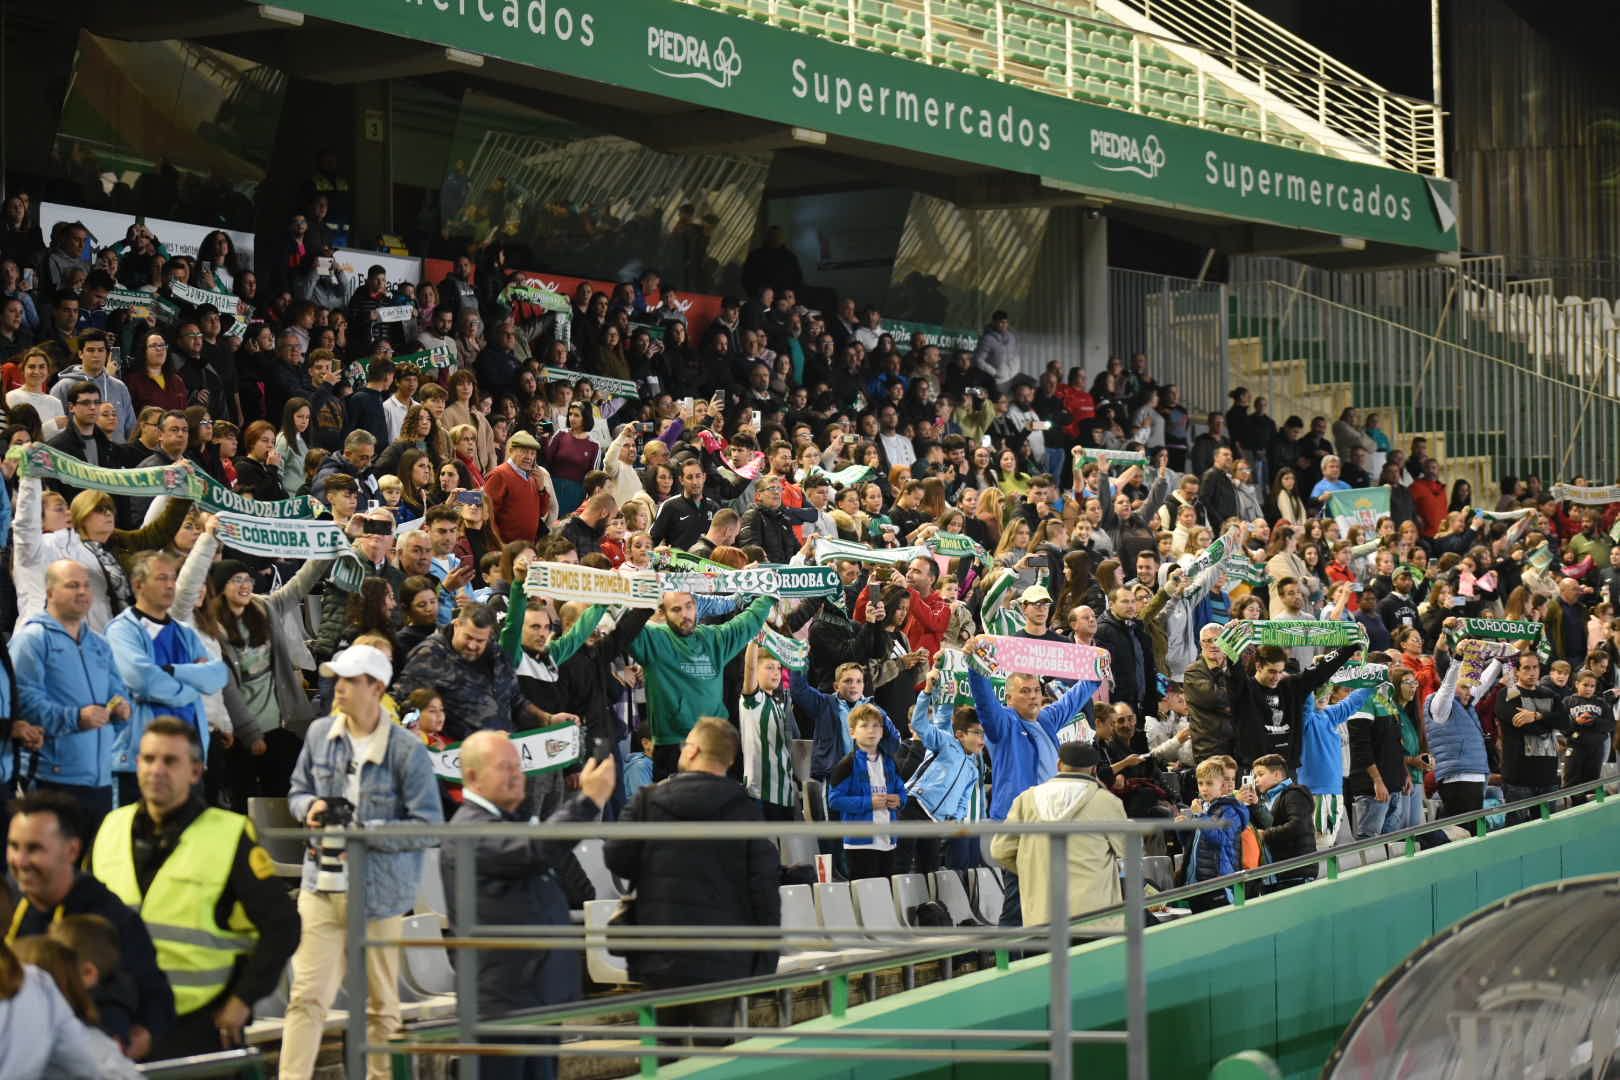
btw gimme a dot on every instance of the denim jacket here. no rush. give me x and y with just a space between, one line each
396 785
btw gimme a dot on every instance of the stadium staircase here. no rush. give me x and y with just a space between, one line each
1212 64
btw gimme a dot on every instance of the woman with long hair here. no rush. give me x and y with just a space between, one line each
258 469
570 454
1462 496
991 514
419 484
1077 577
372 609
1284 561
1014 480
416 432
463 409
152 377
292 444
217 265
1285 503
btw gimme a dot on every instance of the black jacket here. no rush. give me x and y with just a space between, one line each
71 443
1116 635
1288 829
681 521
518 883
586 538
771 530
365 410
1253 710
1219 497
700 882
1375 740
837 639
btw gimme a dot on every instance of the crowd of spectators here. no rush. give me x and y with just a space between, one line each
156 680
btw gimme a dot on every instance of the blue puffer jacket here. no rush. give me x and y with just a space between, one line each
947 781
152 688
1456 737
1321 752
1216 852
849 788
56 677
829 719
1023 753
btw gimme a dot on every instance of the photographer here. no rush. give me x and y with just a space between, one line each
356 768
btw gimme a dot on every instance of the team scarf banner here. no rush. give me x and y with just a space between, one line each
676 559
224 303
427 360
953 667
830 550
793 653
777 581
604 386
1290 634
847 476
560 581
531 292
1213 555
541 750
1051 659
1587 496
281 539
142 305
957 546
1505 515
182 480
1244 569
396 313
1505 630
1124 459
348 572
1358 676
1359 506
1476 654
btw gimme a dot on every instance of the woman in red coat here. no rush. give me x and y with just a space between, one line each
153 378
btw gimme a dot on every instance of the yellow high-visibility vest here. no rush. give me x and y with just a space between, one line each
195 953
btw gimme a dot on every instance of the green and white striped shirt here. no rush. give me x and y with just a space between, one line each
767 745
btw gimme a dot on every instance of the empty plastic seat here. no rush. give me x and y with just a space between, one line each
874 905
430 896
601 965
990 895
425 972
952 892
287 852
909 891
798 908
589 854
835 907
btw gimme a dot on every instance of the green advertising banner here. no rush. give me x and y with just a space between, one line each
721 61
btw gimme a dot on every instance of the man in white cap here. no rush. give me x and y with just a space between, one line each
355 766
1036 604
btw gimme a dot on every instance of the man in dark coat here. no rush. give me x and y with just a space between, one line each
517 882
765 524
1130 652
699 882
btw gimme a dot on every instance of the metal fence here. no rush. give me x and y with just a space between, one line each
1181 324
462 1037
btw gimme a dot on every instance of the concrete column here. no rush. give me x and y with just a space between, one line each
1093 280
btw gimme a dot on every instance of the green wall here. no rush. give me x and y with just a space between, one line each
1282 974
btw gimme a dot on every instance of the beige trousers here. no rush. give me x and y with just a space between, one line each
317 972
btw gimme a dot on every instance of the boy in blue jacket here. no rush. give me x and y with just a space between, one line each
948 785
865 786
1214 853
1321 759
828 715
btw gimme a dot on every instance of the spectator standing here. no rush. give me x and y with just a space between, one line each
1462 755
364 408
522 501
478 683
997 352
699 882
68 685
378 772
224 927
1284 811
1209 702
1093 867
94 353
517 882
1530 717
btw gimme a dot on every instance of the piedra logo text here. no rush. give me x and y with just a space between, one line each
1143 157
716 65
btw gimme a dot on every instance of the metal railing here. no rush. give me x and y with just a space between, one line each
447 1038
468 936
1049 46
246 1062
1182 325
1525 420
1403 131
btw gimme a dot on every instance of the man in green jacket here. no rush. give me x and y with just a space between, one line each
684 665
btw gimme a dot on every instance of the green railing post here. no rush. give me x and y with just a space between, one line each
1002 960
1601 793
647 1016
1480 828
1546 811
1333 868
1411 846
838 995
1239 894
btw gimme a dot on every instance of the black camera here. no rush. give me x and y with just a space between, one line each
331 869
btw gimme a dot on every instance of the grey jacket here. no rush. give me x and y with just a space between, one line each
112 389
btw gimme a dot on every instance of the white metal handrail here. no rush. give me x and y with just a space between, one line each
1404 131
1075 49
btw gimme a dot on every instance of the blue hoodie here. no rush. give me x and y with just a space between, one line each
56 677
1023 753
1321 751
829 719
849 787
946 784
158 689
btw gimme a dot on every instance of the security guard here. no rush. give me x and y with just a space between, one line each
224 928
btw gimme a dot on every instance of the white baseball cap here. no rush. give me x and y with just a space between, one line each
360 660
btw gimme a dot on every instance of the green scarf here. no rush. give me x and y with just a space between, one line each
1290 634
606 387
